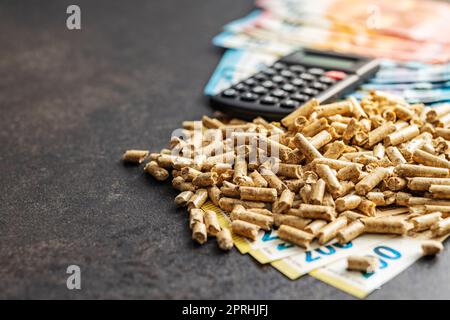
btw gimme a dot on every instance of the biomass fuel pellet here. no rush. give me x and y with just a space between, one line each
329 231
258 194
377 198
395 155
315 226
224 239
258 179
385 225
305 193
412 170
432 247
156 171
135 156
371 181
196 215
227 204
189 174
229 189
349 172
181 185
211 222
328 176
441 228
306 147
348 202
272 180
265 222
352 215
261 211
199 233
183 198
295 236
284 203
214 194
367 207
289 170
350 232
245 229
205 179
293 221
198 199
426 221
362 263
317 192
428 159
313 211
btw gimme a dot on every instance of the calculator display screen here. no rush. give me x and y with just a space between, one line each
325 61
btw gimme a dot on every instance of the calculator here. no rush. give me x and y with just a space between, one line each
294 79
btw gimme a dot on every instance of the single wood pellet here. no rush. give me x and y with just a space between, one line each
295 236
315 226
350 232
329 231
245 229
432 247
338 170
263 221
135 156
426 221
211 222
183 198
224 239
293 221
196 215
385 225
199 232
362 263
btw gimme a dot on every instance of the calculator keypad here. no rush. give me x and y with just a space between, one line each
284 86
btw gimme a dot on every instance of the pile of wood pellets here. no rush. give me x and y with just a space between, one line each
324 172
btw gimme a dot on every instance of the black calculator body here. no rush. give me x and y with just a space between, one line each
294 79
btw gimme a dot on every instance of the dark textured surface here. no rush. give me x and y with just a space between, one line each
72 102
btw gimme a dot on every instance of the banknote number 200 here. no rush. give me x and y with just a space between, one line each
384 252
325 251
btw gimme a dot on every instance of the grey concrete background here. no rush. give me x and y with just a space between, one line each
71 102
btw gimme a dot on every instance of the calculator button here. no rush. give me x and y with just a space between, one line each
260 76
297 68
229 93
309 91
241 87
270 71
268 84
259 90
318 85
286 74
288 87
336 75
307 77
279 66
278 79
316 71
250 82
289 104
299 97
247 96
297 82
269 100
327 80
278 93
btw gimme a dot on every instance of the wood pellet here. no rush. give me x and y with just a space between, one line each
325 172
